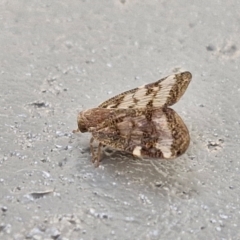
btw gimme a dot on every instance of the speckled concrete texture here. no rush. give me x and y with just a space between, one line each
59 57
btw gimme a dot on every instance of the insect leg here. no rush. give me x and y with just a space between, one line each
98 157
75 131
92 149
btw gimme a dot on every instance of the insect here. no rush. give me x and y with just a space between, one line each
139 121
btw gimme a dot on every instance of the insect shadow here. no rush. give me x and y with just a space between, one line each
164 175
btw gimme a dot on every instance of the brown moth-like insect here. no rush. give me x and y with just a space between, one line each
139 121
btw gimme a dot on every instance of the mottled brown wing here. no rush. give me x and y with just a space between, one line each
164 92
156 133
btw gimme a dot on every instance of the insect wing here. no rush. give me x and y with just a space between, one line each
163 136
164 92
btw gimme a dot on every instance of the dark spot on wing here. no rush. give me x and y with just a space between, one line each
149 91
131 106
135 100
148 114
150 103
118 102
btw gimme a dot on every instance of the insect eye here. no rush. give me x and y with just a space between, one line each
179 152
82 128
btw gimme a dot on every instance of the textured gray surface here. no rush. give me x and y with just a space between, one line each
59 57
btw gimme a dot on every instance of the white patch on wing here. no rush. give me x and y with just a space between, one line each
166 151
165 142
137 151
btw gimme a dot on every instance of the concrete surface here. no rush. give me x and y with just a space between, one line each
59 57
